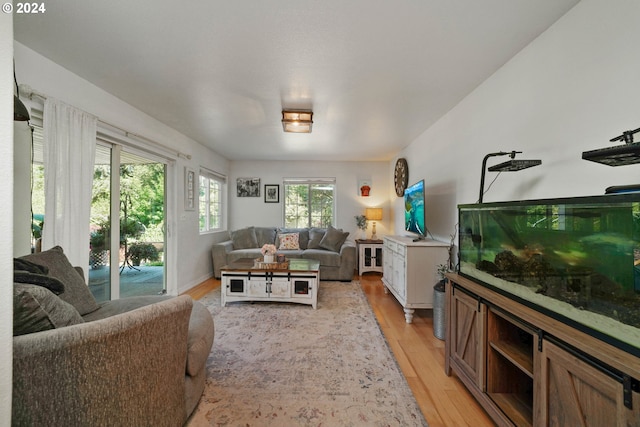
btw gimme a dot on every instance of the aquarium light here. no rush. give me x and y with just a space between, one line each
508 166
514 165
619 155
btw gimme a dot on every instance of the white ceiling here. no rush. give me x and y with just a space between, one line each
376 73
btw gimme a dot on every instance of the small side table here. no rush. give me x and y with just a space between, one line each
369 255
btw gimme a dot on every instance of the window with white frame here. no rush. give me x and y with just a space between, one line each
309 202
211 201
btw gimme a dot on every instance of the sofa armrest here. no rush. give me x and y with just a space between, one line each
219 253
348 247
128 369
348 260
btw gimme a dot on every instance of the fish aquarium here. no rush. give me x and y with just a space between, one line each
576 259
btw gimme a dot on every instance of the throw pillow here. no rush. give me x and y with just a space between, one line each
245 238
76 292
315 236
333 239
289 241
303 236
37 309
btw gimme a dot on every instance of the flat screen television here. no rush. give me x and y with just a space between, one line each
414 209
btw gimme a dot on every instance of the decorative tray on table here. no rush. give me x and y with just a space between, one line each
259 263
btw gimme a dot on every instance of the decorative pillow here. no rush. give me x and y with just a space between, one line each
37 309
303 236
289 241
76 292
49 282
315 236
333 239
245 238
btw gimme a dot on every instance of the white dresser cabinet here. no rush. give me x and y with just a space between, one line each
409 270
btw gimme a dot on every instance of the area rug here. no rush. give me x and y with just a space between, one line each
285 364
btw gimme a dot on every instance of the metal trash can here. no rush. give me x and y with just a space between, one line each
439 327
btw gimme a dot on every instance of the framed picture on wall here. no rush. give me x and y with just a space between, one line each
189 189
271 193
248 187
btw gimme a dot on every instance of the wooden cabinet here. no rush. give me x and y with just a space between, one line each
409 270
467 325
369 256
576 393
510 366
527 369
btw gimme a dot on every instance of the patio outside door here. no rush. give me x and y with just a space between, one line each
127 256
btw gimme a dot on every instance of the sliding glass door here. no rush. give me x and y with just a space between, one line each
127 256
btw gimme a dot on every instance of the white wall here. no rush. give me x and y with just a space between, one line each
349 203
53 80
6 215
571 90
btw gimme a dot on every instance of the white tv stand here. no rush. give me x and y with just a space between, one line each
409 270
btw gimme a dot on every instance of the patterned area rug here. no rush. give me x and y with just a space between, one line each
284 364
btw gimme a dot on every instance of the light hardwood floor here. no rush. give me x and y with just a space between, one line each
444 401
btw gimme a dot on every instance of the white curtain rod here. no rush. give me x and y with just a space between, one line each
26 90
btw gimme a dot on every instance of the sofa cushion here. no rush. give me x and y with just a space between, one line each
123 305
315 236
326 258
289 254
265 236
289 241
252 253
244 238
333 239
76 292
37 309
303 236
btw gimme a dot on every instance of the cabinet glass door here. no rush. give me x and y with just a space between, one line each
236 286
378 257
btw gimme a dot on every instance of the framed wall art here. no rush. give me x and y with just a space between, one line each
248 187
271 193
189 189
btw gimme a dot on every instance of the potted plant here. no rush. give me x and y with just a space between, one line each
141 251
361 223
439 306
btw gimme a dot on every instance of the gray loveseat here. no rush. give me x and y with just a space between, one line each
329 246
136 361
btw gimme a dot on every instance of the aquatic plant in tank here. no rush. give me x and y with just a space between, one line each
577 259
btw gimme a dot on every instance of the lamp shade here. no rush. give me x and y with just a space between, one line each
373 214
297 121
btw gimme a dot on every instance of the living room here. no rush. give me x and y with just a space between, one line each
572 89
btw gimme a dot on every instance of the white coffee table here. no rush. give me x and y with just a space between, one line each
299 283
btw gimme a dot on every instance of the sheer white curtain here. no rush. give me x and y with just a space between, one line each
69 154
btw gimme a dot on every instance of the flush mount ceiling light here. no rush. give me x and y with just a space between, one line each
297 121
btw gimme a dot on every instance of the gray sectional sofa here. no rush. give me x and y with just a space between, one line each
136 361
329 246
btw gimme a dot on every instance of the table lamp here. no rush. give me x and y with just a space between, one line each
373 214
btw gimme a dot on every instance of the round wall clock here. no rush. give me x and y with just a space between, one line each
401 176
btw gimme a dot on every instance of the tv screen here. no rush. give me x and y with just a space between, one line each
414 209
